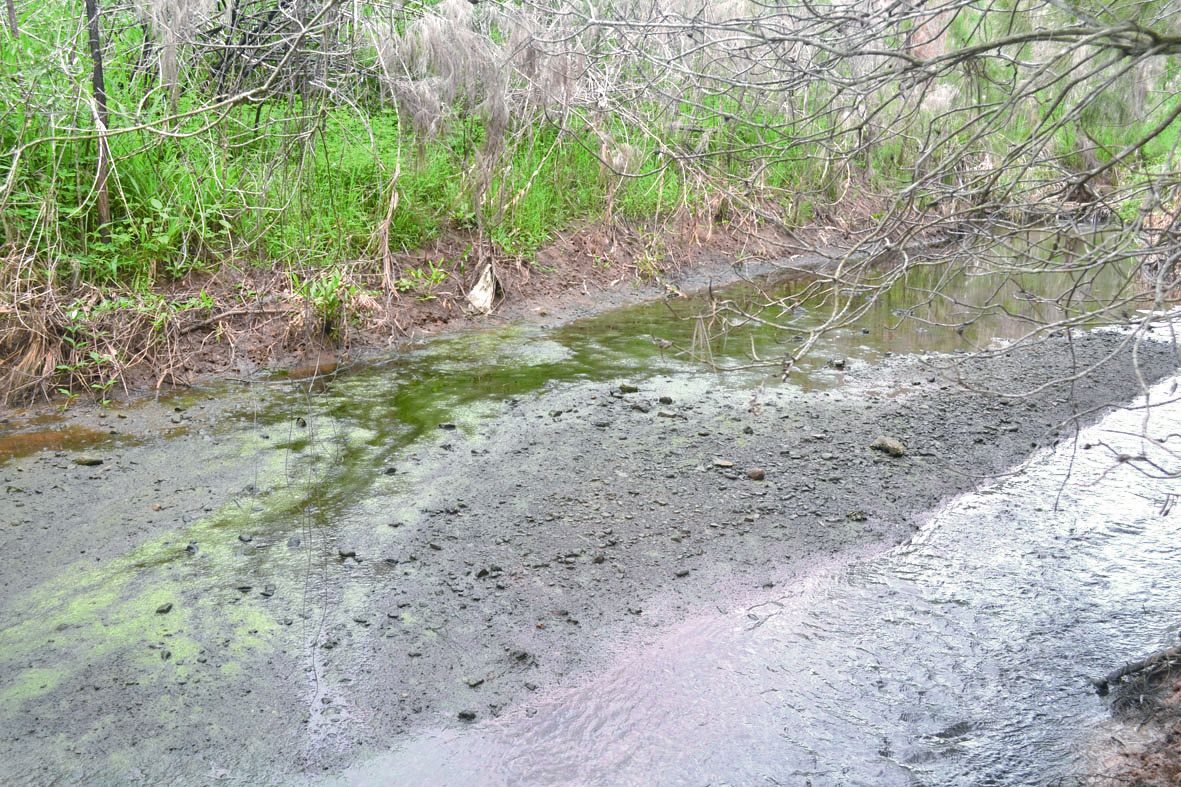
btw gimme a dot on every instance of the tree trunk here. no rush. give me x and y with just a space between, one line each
12 18
100 102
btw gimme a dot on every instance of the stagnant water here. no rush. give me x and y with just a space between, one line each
961 657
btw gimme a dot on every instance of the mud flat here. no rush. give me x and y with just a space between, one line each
271 583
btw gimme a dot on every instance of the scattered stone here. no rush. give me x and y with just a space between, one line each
243 587
346 552
748 430
628 388
641 407
889 445
447 426
293 542
723 463
838 363
684 572
88 461
665 400
268 591
856 516
601 424
756 474
435 546
192 548
665 414
475 682
164 609
390 470
245 538
301 422
467 715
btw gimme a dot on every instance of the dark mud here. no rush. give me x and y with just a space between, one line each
271 583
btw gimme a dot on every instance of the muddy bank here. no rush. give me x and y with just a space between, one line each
246 321
295 576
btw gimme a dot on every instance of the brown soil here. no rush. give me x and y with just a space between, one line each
254 322
1153 757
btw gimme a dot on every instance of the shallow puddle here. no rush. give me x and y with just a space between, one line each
961 657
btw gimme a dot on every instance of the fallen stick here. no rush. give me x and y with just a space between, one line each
1152 661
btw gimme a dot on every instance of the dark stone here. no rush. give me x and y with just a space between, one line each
245 538
346 552
164 609
88 461
756 474
665 400
628 388
467 715
447 426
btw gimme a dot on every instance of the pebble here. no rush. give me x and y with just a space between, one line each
889 445
346 552
628 388
164 609
723 463
665 400
467 715
88 461
245 538
756 474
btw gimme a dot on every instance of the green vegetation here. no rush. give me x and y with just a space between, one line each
339 155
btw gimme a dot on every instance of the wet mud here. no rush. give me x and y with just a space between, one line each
270 583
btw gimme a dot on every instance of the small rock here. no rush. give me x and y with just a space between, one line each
684 572
447 426
346 552
665 414
245 538
601 424
293 542
390 470
723 463
301 422
665 400
88 461
838 363
436 547
243 587
890 446
268 591
475 682
164 609
192 548
628 388
756 474
467 715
